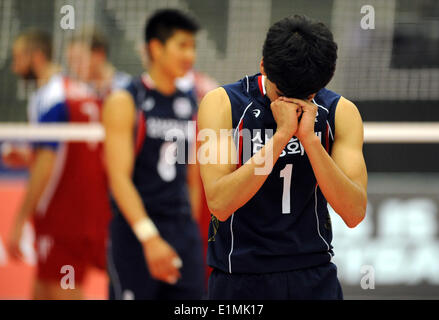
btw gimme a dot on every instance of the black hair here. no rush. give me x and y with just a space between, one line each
37 40
94 38
163 24
299 56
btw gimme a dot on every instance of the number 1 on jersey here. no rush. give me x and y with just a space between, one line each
286 174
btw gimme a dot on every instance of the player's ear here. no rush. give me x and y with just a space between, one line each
154 48
145 55
99 55
261 67
37 56
311 96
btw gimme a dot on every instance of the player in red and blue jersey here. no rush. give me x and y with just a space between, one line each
67 193
294 147
155 250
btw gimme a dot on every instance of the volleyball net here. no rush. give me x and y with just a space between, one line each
374 132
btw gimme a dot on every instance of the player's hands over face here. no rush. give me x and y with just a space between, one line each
286 115
305 130
161 260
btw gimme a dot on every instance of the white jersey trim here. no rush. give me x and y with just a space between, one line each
317 219
233 214
114 276
318 105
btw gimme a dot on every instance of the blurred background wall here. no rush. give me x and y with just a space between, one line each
390 72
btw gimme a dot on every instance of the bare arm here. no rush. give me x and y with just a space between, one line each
194 184
342 176
227 187
40 171
119 120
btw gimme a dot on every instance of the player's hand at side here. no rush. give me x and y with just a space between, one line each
14 241
162 260
305 130
286 115
15 156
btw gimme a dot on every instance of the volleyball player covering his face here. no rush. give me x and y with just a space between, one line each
297 146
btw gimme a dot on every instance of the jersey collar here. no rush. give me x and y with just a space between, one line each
261 85
147 81
258 90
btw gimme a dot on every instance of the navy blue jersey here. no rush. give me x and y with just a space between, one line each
286 225
160 174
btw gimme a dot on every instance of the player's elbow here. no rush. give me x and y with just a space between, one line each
356 216
221 215
219 208
219 212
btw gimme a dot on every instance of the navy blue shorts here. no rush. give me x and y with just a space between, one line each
127 268
316 283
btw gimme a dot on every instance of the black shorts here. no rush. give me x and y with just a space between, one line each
129 275
316 283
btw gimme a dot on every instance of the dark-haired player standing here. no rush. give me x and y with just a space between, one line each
155 250
270 235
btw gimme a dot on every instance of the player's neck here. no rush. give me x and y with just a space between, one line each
163 82
46 72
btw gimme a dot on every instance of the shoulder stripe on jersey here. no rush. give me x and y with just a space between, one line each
141 132
248 86
261 85
330 130
240 119
320 106
147 81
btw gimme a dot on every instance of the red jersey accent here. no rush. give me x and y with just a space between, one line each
260 85
141 131
78 206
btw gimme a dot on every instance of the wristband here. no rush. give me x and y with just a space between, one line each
145 229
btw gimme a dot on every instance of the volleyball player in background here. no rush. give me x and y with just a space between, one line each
155 250
87 58
31 61
67 189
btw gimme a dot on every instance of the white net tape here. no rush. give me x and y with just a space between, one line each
374 132
51 132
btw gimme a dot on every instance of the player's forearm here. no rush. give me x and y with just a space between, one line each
233 190
346 197
194 184
127 198
39 175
